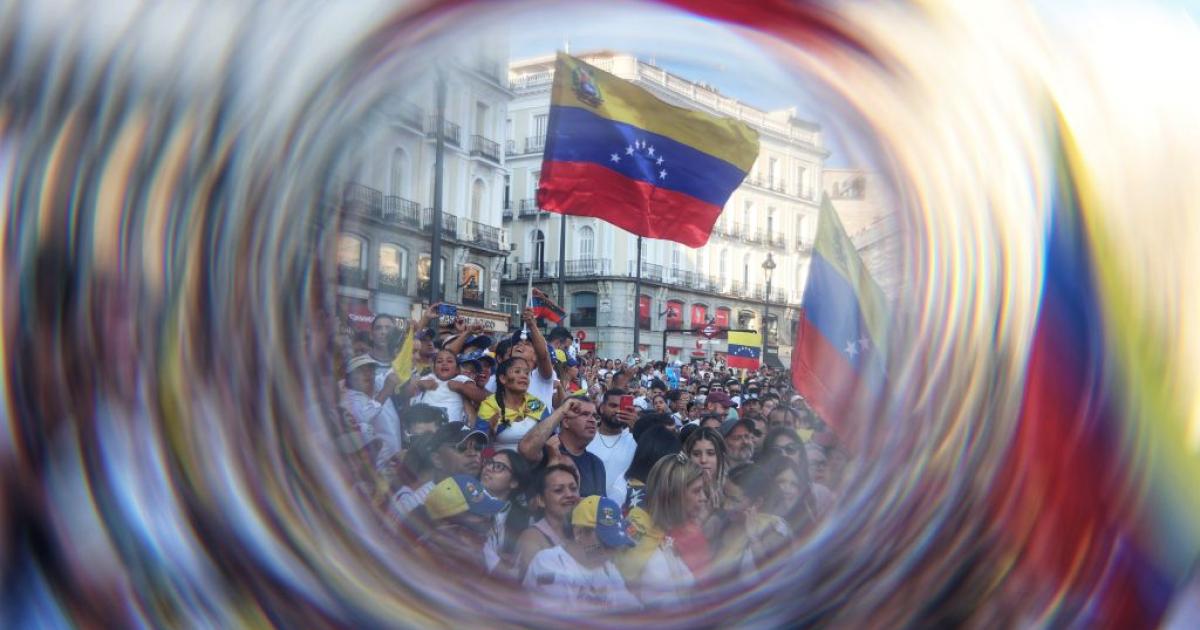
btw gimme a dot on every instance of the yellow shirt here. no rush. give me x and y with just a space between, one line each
531 408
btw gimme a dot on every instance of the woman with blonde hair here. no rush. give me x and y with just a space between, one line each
675 501
706 448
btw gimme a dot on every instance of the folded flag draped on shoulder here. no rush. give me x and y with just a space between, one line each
838 355
544 307
745 349
402 365
616 152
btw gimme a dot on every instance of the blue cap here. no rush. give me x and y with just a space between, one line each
604 515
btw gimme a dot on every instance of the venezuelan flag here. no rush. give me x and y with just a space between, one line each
841 332
616 152
744 350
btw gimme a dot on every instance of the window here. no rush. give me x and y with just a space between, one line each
539 126
772 172
534 178
702 260
583 309
471 282
802 181
723 266
477 193
676 265
644 312
423 269
352 261
746 272
399 173
481 118
393 262
675 314
537 242
507 192
699 315
722 318
747 215
587 243
801 278
770 222
804 231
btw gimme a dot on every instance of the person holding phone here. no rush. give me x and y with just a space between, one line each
614 443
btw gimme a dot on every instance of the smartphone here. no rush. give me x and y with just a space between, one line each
627 403
447 310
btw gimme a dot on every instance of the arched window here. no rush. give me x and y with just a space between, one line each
471 282
423 269
478 191
674 314
587 243
352 261
400 166
583 309
644 312
699 315
537 247
393 269
722 317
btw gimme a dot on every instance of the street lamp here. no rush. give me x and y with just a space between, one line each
768 266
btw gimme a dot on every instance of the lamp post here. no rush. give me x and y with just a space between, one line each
768 267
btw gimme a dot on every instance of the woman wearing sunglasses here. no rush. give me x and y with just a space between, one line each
785 442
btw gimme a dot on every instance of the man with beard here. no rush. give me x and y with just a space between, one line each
614 444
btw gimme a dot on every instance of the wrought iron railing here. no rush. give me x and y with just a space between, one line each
451 132
394 283
485 147
352 276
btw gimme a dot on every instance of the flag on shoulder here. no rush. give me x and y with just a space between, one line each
545 308
616 152
838 355
745 350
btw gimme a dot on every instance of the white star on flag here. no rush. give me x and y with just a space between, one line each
662 174
616 158
659 161
863 342
650 151
629 150
851 348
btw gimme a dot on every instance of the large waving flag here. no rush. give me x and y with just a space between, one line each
838 355
616 152
745 350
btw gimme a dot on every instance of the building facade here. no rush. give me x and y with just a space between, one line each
863 204
384 248
773 214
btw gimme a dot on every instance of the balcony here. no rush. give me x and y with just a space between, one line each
650 271
510 147
777 242
480 235
507 212
528 208
543 269
364 200
483 147
802 247
394 283
754 236
401 211
449 223
586 267
535 144
352 276
451 132
410 114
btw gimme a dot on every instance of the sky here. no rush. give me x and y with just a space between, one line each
691 47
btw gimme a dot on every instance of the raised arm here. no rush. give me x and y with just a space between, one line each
532 443
540 348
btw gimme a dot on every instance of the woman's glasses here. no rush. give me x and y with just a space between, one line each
496 465
788 449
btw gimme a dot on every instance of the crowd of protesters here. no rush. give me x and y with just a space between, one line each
599 482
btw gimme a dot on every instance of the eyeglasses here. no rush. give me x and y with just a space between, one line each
469 445
497 466
788 449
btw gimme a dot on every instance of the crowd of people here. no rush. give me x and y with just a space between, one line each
602 482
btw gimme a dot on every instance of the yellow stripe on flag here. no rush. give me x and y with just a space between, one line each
752 339
402 365
725 138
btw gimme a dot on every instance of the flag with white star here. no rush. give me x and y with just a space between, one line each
616 152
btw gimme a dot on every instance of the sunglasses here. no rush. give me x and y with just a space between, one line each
788 449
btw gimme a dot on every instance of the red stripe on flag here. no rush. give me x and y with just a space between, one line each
821 373
591 190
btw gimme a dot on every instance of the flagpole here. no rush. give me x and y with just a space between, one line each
537 227
637 296
562 259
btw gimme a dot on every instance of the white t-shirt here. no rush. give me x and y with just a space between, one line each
568 585
616 451
665 580
541 388
374 420
443 397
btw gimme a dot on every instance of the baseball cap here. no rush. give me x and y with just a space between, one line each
603 515
459 494
561 356
721 398
359 361
454 433
483 342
